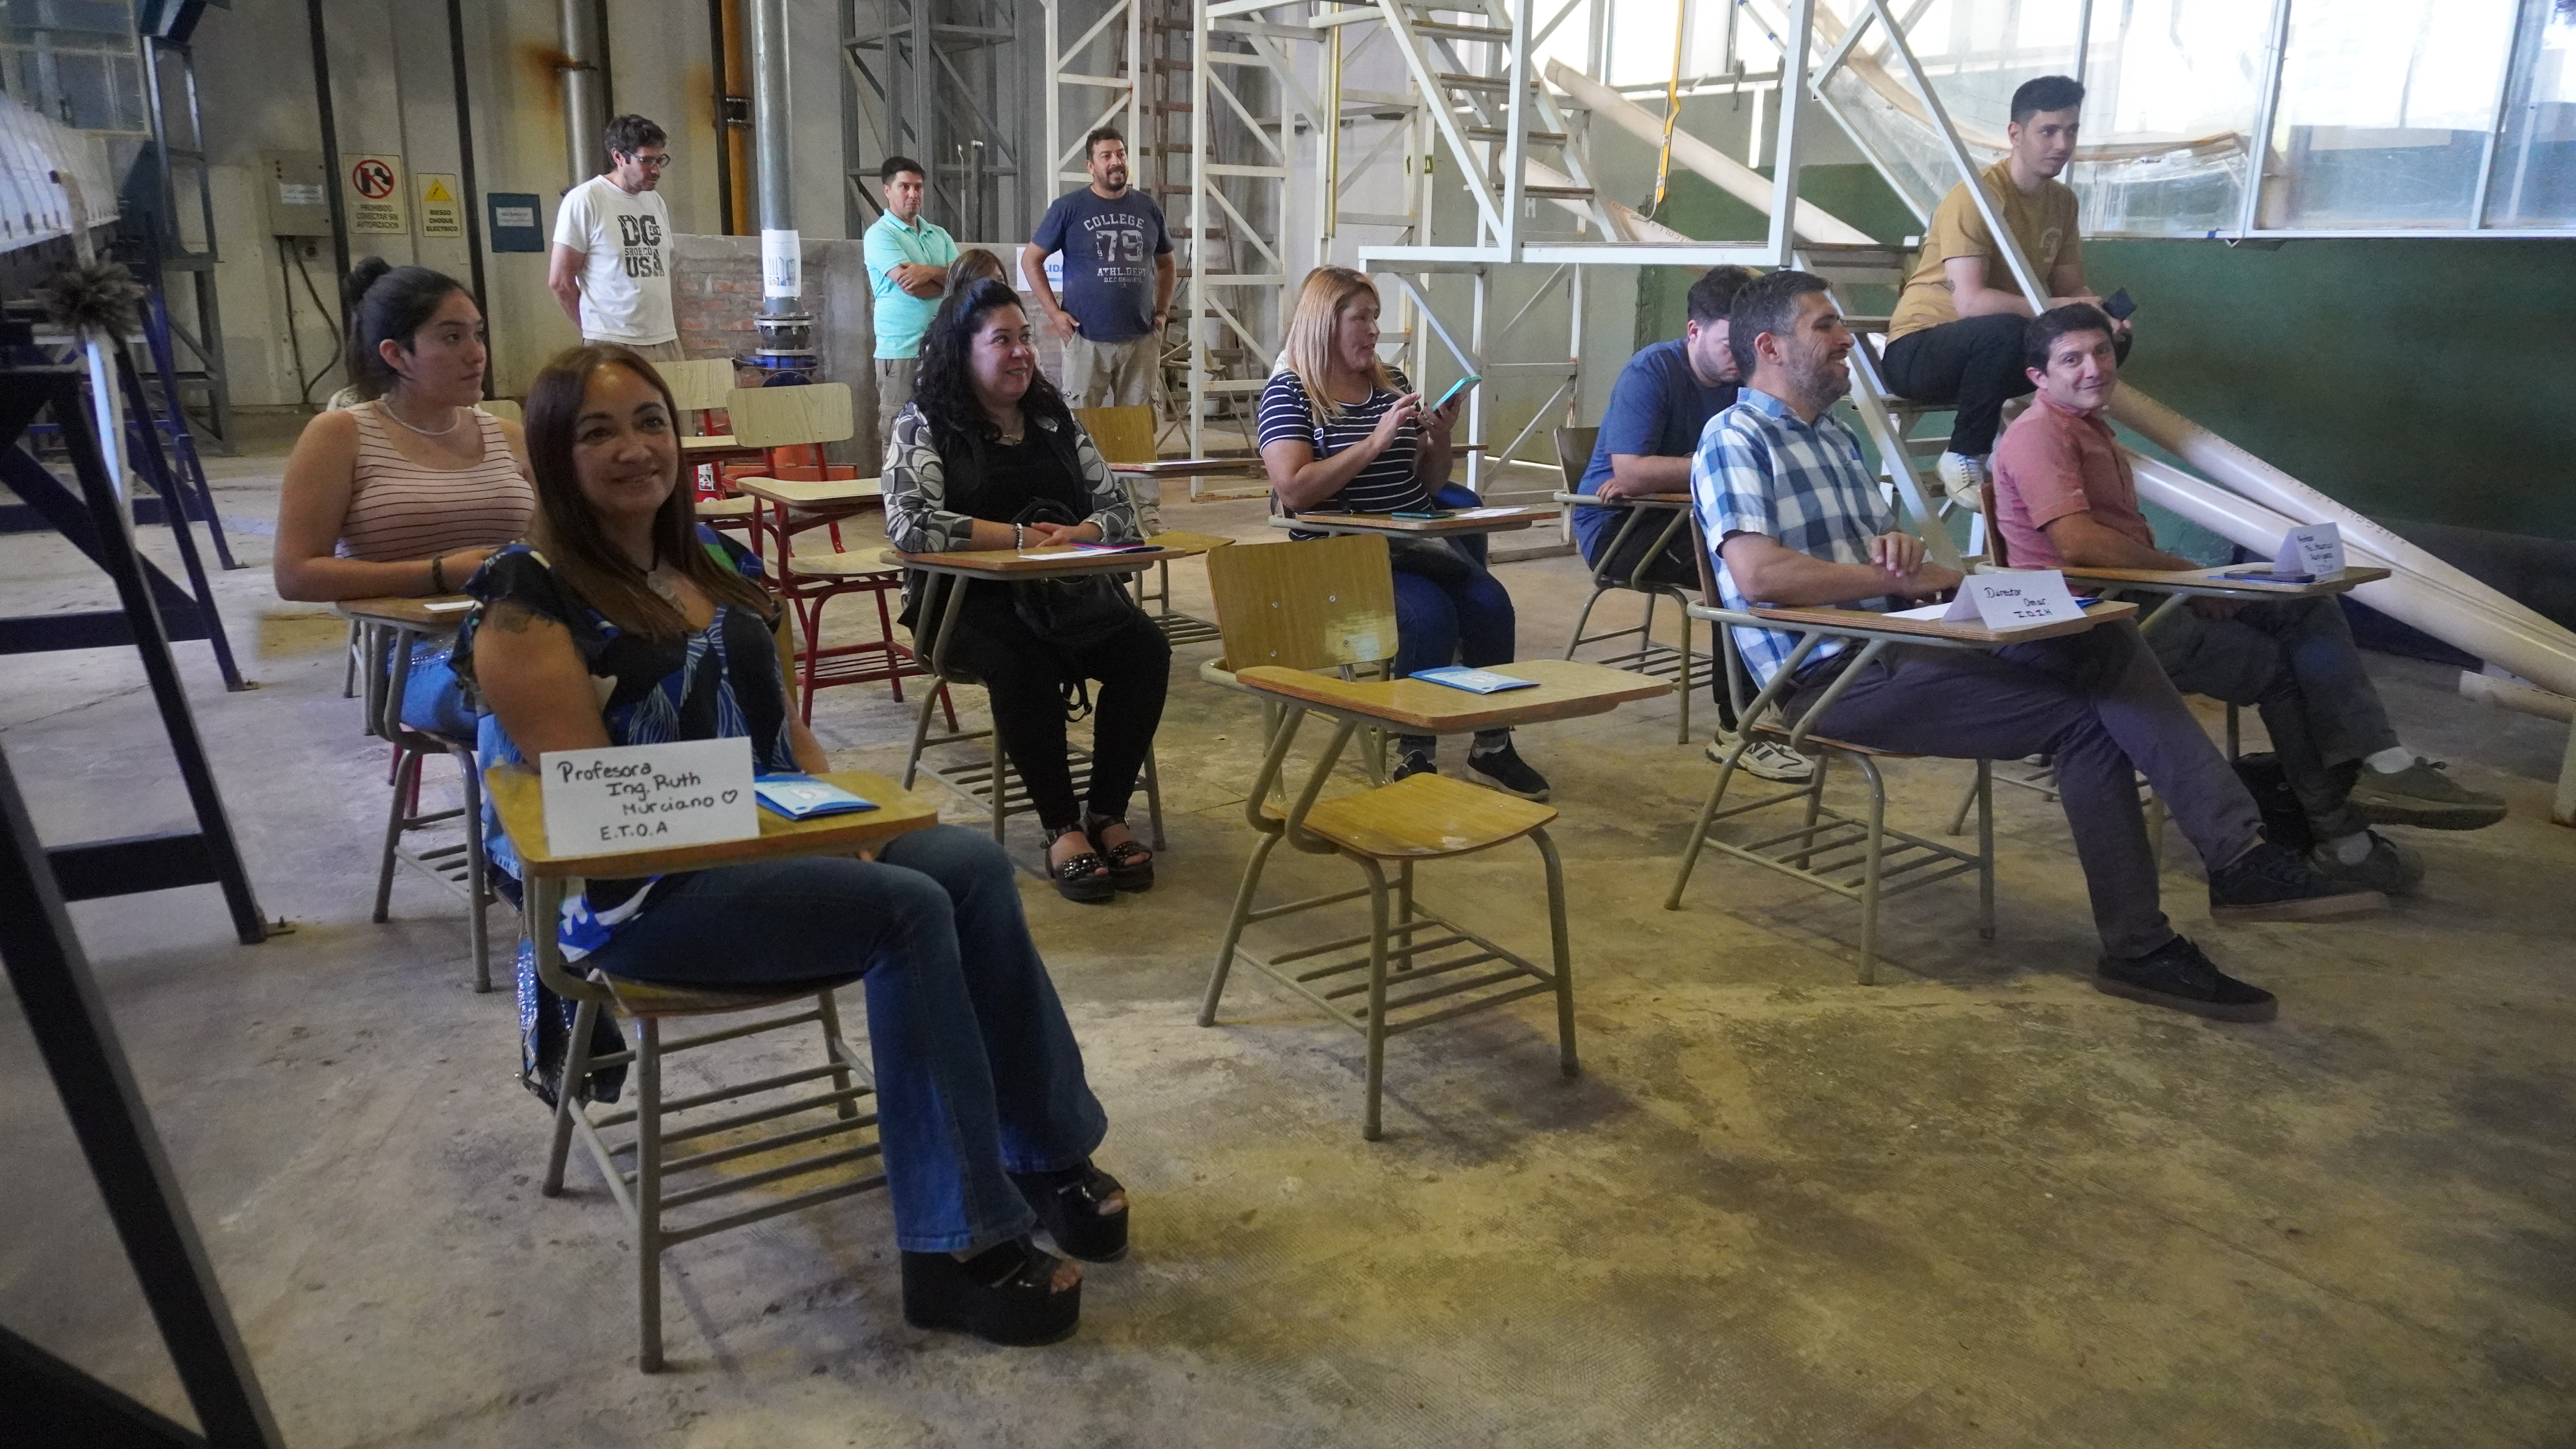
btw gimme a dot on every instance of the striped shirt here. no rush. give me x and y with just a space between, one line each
399 509
1387 483
1760 470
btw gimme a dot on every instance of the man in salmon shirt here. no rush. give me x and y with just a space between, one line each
2065 496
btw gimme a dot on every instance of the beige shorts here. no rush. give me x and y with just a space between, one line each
1113 374
895 378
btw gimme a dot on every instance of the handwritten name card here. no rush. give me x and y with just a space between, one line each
648 797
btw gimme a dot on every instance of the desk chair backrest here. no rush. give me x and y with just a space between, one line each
1123 435
1574 453
1994 535
1327 603
773 417
698 384
1708 594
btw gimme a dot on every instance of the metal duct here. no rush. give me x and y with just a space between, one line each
584 94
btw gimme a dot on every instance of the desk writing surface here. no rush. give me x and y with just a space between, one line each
1973 634
409 613
1193 468
1177 538
1567 689
821 494
2214 581
1626 500
1464 520
1038 561
519 800
713 443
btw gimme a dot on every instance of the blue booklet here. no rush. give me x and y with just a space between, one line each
802 797
1474 681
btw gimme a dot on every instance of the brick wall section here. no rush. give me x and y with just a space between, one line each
715 292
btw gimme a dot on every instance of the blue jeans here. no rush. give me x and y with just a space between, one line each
977 1071
1469 621
432 699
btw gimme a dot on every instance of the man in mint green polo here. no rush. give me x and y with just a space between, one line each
908 259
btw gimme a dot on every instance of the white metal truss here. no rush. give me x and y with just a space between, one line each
1091 79
1245 100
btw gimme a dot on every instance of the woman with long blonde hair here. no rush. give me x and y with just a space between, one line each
1343 432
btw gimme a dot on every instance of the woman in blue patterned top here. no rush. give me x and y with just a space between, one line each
1341 431
627 623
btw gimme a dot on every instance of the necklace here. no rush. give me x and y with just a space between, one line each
660 582
385 406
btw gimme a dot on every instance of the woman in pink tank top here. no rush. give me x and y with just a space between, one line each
405 494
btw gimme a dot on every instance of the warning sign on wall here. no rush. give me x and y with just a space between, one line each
375 194
442 205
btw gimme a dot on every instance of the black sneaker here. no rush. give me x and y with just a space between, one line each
2389 868
2177 975
1504 769
1415 762
2274 883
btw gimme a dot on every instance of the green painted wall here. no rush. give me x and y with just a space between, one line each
2405 378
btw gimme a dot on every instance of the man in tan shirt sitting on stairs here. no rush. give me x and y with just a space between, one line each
1956 335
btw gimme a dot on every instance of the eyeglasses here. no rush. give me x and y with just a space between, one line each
649 163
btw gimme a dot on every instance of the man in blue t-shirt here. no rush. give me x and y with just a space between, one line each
1659 406
1663 399
1118 276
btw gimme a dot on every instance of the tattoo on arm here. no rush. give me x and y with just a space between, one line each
510 616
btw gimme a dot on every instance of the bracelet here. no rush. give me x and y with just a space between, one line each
438 575
1019 536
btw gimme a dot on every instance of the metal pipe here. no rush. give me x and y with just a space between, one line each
465 169
724 127
769 115
585 113
330 127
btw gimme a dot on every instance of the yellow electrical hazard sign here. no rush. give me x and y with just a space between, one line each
442 209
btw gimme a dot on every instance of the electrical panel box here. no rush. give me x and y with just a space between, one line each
292 195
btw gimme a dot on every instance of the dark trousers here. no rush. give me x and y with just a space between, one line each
977 1071
2295 662
1462 616
1976 363
1024 676
2100 704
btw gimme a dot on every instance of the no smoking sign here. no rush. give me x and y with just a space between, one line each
375 195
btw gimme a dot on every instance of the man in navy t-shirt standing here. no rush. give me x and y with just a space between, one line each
1118 275
1662 401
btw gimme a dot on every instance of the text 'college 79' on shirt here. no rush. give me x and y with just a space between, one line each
626 275
1109 246
1387 484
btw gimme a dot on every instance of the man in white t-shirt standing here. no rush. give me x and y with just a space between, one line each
611 267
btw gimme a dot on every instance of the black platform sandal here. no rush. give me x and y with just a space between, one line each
1085 878
1002 1295
1067 1202
1131 866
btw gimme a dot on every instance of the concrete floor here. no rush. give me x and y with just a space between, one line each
1979 1205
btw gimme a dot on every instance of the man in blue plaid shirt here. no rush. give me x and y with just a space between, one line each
1798 520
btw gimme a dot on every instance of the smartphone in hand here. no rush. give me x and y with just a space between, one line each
2118 306
1455 388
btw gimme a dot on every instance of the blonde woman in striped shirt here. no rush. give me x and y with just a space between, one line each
405 494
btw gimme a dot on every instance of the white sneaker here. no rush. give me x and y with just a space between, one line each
1766 759
1964 479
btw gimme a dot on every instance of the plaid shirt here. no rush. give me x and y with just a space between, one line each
1760 470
